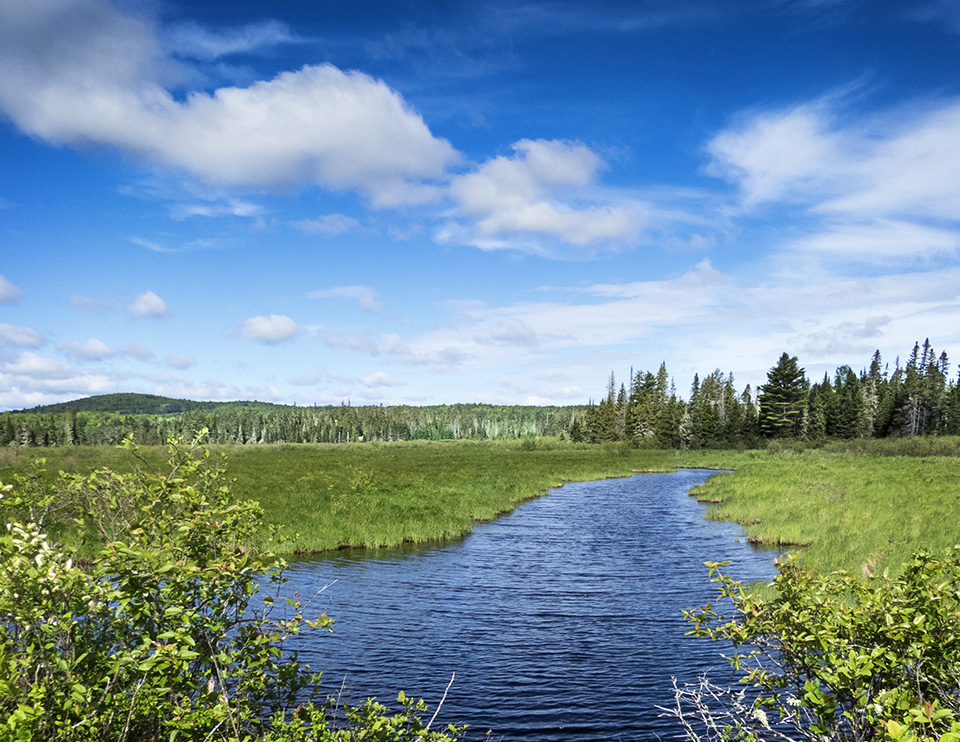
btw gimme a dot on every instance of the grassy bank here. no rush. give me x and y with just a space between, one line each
863 512
385 494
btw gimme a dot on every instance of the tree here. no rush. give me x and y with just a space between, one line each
783 399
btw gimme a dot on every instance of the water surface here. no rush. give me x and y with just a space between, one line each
562 620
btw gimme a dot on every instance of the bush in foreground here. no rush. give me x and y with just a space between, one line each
164 635
835 658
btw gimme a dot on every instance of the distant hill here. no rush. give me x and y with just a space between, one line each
127 403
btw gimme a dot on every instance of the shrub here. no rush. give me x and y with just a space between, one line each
165 635
835 658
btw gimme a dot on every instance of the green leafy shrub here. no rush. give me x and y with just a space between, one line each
166 634
835 658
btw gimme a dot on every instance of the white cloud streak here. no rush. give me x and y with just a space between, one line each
547 189
365 296
25 337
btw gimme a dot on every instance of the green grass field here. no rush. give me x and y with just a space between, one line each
858 508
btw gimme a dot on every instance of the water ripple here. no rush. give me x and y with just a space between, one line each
562 620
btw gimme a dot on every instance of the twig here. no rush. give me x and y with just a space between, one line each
439 705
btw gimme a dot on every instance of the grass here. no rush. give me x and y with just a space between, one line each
863 507
853 511
385 494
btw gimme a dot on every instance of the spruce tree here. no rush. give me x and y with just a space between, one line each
783 399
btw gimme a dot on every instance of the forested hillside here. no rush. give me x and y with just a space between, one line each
917 398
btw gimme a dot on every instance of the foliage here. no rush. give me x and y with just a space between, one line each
783 399
164 635
835 658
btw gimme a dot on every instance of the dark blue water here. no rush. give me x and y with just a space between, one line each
562 620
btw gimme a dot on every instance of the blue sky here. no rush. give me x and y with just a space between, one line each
436 202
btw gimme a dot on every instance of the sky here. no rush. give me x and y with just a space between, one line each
419 202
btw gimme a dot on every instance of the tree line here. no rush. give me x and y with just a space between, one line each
917 398
236 423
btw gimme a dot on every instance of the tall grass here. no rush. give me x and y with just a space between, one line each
385 494
860 507
862 513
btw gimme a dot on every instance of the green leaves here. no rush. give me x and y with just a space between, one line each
156 638
838 657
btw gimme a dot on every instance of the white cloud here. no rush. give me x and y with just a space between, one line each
193 41
882 241
364 295
79 71
328 225
899 163
180 361
92 350
510 331
271 329
148 304
9 293
232 207
39 368
547 189
381 379
25 337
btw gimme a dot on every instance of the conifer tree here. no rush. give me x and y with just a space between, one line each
783 399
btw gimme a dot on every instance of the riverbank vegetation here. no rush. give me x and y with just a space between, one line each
375 495
833 657
170 630
864 506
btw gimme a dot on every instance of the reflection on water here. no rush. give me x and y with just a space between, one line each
562 620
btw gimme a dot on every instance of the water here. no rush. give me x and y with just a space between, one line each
562 620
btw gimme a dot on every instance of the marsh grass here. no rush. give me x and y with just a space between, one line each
324 496
862 513
859 507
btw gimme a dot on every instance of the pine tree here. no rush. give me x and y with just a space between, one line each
783 399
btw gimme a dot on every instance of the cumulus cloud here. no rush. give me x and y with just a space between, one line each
80 71
510 331
271 329
9 293
180 361
148 304
546 189
328 225
364 295
25 337
92 350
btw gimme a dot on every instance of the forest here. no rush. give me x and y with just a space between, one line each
915 398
